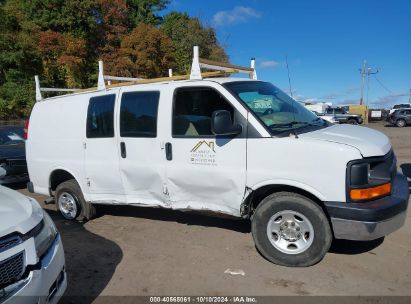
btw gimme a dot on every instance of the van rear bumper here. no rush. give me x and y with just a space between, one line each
371 220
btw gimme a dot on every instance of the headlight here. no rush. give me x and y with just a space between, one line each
46 236
370 178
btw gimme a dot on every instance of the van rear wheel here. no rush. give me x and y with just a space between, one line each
291 230
71 203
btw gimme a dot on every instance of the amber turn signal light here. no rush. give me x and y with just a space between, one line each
369 193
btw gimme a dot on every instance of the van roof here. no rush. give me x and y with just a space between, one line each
220 80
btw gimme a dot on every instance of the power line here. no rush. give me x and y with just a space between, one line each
366 71
381 84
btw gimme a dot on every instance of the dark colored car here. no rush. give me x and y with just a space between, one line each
401 118
13 155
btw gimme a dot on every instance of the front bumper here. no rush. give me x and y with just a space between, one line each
45 284
371 220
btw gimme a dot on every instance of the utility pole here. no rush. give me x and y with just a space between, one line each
365 71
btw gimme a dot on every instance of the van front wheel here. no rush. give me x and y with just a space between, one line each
291 230
71 203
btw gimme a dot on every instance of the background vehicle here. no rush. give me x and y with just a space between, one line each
13 155
235 146
319 108
343 116
400 106
31 253
401 117
329 118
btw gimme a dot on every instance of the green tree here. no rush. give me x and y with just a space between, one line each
62 40
185 32
63 58
146 11
19 61
146 52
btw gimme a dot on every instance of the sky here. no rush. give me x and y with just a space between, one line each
325 41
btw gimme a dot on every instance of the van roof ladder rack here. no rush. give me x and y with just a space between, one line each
218 69
199 63
39 89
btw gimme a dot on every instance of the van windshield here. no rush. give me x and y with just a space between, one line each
279 112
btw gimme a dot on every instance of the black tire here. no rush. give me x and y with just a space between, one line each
400 123
282 201
85 210
352 121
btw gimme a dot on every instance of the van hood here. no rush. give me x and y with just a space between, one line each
18 213
368 141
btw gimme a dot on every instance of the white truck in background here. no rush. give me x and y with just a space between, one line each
319 108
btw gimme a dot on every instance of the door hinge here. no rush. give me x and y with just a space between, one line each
88 182
84 145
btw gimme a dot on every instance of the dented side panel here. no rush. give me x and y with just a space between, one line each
206 173
143 165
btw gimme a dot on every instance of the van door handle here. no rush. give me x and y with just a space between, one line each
169 151
123 149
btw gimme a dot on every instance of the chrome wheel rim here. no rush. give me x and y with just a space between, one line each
67 205
290 232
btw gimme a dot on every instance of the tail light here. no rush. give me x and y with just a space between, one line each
26 130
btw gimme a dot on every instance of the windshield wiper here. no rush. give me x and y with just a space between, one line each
293 129
293 123
288 124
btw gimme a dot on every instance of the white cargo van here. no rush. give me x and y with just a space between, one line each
229 145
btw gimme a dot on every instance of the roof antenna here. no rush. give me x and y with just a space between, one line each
195 66
100 84
291 94
38 92
289 78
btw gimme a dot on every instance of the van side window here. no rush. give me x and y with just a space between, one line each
138 114
193 108
100 116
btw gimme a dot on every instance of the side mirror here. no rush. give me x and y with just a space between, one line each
2 172
221 124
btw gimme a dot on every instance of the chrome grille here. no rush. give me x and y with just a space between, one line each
11 269
9 242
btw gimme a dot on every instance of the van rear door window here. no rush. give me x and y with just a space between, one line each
138 114
100 117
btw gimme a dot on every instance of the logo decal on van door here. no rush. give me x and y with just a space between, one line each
203 153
